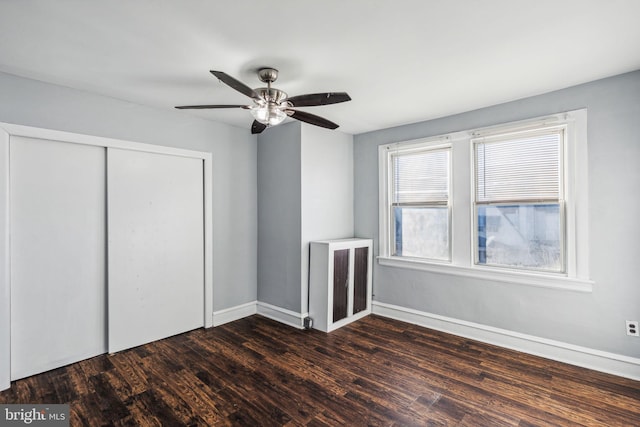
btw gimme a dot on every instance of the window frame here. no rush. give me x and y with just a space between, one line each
561 200
463 212
415 146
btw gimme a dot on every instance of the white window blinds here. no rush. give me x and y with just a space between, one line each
421 177
519 168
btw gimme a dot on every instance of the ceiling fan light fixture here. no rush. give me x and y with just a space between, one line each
268 114
272 106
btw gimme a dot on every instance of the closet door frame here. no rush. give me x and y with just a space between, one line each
5 289
6 132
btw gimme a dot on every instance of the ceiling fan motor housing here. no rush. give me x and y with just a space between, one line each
268 75
271 95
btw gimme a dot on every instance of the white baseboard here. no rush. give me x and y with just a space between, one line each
611 363
273 312
234 313
281 315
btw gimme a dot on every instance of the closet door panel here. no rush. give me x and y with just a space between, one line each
156 246
58 241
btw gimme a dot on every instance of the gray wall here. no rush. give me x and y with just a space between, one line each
593 320
327 191
305 192
280 216
33 103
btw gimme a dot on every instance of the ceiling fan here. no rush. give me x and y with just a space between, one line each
271 106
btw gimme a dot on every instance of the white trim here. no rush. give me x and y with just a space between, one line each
232 314
611 363
5 289
384 191
281 315
207 188
577 186
78 138
518 126
493 274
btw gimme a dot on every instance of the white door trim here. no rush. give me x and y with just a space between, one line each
5 289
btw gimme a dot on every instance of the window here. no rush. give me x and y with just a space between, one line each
519 209
506 203
420 202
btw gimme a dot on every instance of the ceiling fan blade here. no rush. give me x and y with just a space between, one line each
202 107
257 127
236 84
312 119
313 99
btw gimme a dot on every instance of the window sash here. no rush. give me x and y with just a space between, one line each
562 229
520 169
523 167
420 177
443 254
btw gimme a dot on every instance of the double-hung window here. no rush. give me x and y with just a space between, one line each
505 203
419 203
519 200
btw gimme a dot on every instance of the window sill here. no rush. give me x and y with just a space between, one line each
487 273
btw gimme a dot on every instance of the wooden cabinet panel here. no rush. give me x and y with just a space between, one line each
360 279
340 284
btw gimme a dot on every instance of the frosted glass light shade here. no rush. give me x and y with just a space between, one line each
269 114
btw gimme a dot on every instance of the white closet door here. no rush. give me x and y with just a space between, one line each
156 246
58 251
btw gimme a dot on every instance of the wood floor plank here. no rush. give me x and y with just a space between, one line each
377 371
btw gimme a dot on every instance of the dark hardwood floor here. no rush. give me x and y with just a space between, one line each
377 371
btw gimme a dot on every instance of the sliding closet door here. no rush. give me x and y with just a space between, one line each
156 246
58 241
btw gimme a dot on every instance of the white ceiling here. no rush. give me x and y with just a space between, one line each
401 61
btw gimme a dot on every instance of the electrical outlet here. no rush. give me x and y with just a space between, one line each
308 322
632 328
